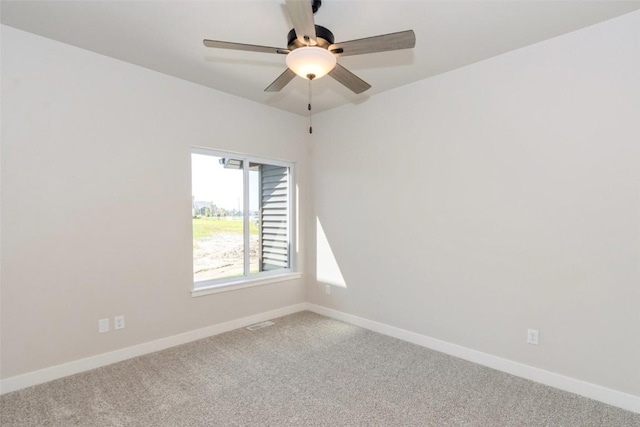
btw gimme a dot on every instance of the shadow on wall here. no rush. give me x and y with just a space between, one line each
327 268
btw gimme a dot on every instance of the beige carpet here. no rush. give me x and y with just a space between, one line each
306 370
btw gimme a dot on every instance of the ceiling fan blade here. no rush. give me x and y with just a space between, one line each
350 80
246 47
301 14
281 81
383 43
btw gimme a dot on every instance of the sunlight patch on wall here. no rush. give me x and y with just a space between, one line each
327 269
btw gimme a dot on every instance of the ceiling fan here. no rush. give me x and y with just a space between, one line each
312 52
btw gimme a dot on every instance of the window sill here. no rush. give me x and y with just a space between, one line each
242 284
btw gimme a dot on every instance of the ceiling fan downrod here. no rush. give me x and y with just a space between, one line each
315 5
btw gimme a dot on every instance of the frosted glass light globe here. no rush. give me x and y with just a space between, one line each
311 61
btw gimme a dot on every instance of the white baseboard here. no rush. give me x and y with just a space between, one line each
48 374
572 385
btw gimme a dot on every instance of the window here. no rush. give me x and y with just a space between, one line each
241 218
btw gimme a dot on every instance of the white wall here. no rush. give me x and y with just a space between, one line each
502 196
467 207
96 201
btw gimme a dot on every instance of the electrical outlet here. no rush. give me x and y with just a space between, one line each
118 322
327 289
103 326
532 336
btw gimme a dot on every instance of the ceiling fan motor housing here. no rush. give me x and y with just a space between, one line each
324 38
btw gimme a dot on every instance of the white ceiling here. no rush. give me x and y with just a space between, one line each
166 36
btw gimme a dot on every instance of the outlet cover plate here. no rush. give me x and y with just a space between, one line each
118 322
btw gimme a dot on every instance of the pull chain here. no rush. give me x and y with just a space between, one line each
311 76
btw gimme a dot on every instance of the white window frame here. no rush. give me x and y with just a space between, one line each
212 286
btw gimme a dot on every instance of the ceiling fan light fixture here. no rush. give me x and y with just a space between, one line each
311 61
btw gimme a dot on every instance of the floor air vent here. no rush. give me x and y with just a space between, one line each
260 325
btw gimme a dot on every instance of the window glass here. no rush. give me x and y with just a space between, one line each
241 217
